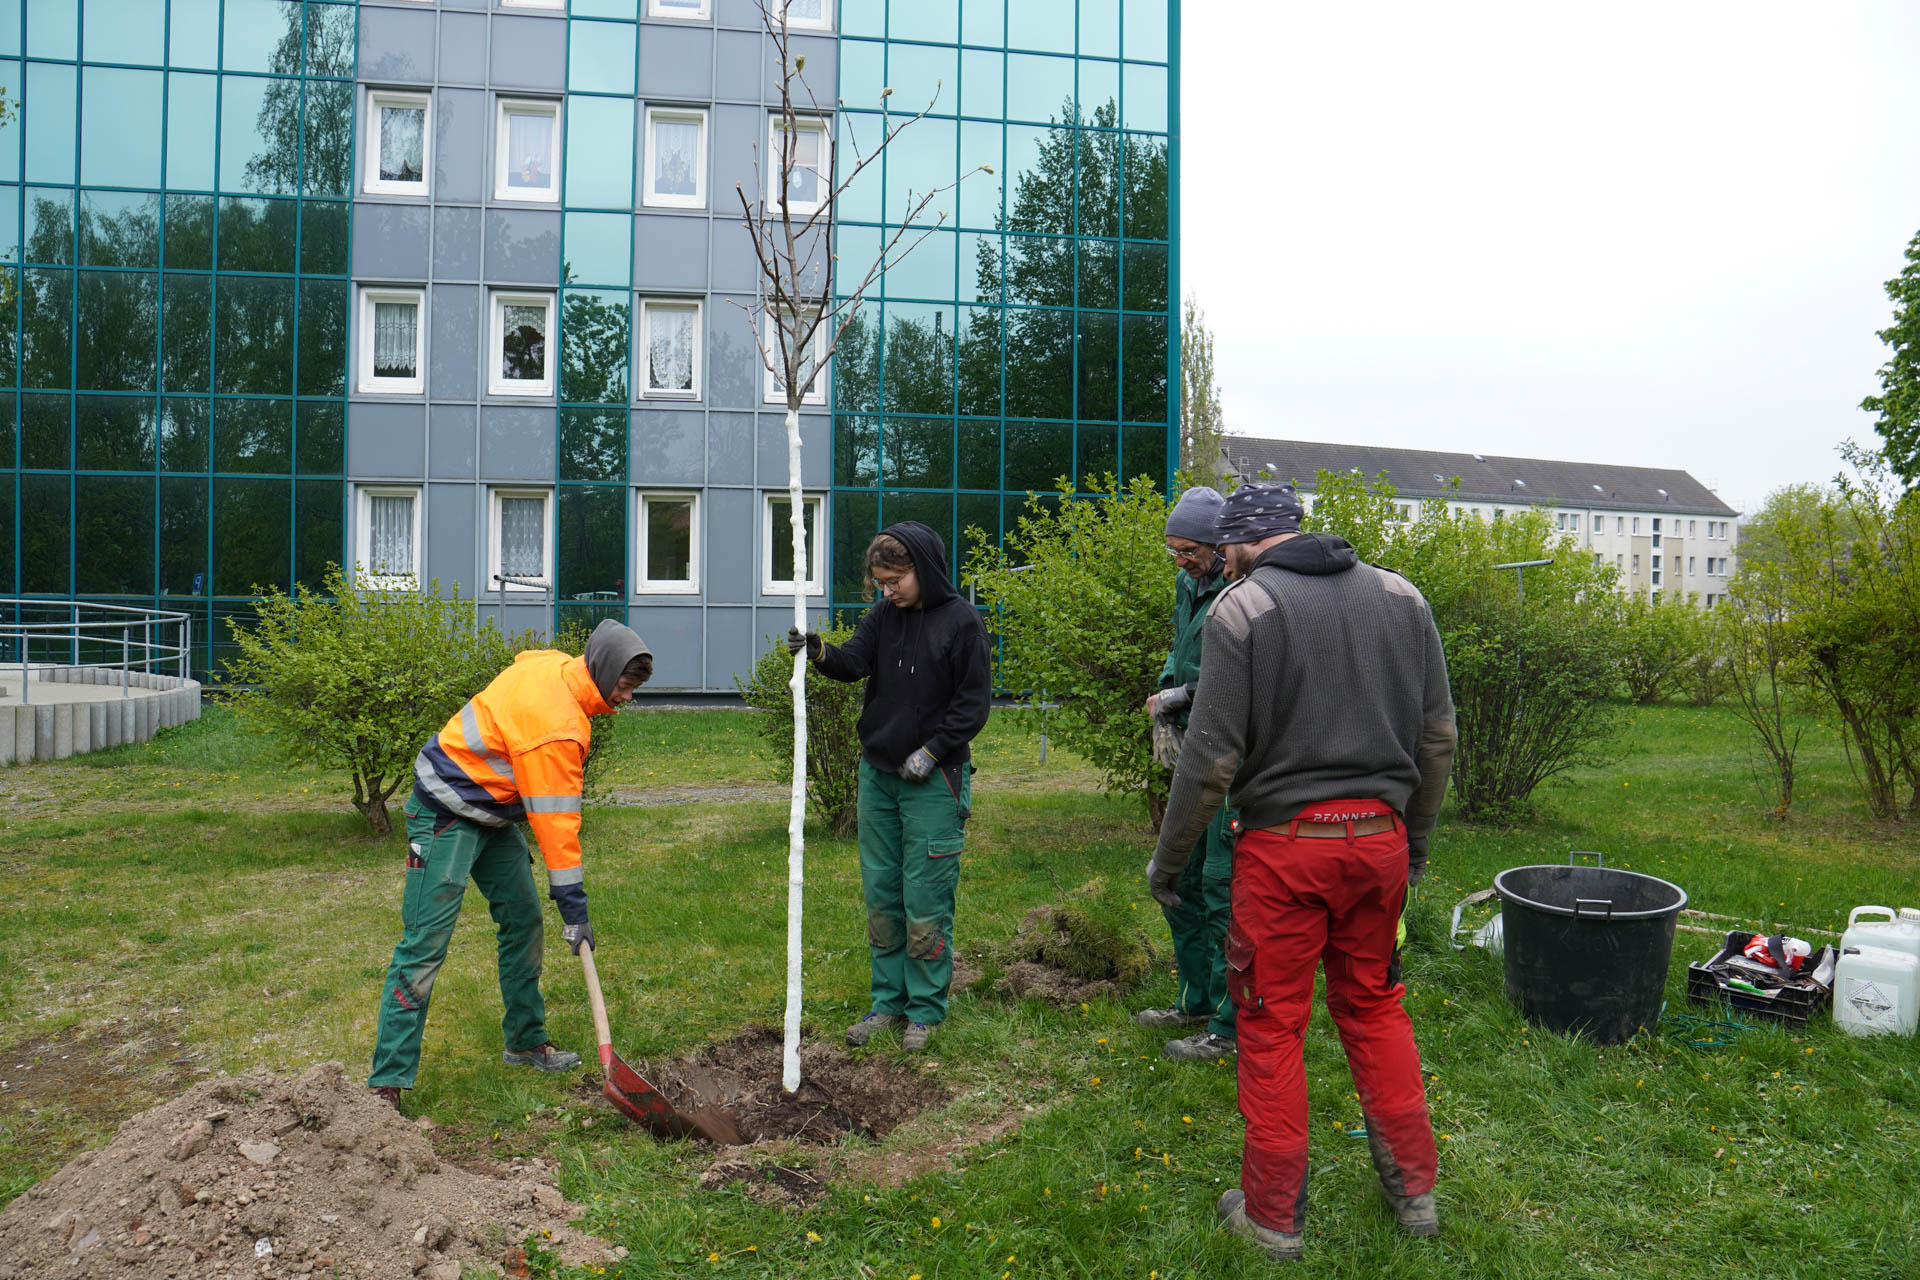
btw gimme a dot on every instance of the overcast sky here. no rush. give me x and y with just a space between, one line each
1654 234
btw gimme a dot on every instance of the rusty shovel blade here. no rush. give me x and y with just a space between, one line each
634 1095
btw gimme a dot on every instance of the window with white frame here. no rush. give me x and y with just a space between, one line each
811 366
809 183
520 540
392 341
388 535
776 545
1710 599
526 150
1573 524
676 171
669 551
1636 565
677 8
1689 566
1636 525
806 13
399 136
1689 528
670 347
520 349
1619 524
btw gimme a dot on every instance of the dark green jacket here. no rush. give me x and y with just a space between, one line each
1190 605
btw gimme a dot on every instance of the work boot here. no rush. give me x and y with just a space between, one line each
387 1093
1174 1017
1416 1215
1281 1246
916 1037
1204 1047
548 1057
862 1031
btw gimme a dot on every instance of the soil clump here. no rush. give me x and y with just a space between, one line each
268 1178
1081 948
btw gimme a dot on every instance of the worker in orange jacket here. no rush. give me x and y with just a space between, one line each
515 753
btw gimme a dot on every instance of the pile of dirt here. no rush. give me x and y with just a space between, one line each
1081 948
262 1177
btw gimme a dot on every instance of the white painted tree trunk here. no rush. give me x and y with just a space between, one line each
797 803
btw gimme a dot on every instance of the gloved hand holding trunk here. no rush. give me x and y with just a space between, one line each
575 934
811 642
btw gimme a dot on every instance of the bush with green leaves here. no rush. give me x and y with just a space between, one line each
1080 600
359 678
1664 636
1532 662
833 737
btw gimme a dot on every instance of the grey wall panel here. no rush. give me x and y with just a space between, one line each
386 441
673 632
522 246
670 252
735 269
530 52
738 13
816 449
667 446
733 370
822 73
456 243
455 339
463 48
454 540
740 135
734 640
515 618
390 241
460 145
733 545
516 443
396 45
730 448
676 63
450 442
736 65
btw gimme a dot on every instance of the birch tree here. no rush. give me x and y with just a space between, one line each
807 301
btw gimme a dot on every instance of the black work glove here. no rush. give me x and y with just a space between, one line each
811 642
1160 882
1416 859
919 766
572 901
575 934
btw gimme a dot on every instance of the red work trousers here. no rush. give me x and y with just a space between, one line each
1298 902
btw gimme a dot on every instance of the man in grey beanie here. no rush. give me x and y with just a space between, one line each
1199 920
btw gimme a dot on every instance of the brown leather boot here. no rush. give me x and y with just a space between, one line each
387 1093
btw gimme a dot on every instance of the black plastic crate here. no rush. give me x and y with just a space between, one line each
1790 1005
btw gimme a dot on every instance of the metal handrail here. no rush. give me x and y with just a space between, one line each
151 650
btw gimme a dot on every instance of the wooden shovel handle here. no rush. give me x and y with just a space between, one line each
600 1030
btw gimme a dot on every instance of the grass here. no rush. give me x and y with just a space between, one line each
196 889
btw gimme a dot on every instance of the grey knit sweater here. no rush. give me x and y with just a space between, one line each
1323 680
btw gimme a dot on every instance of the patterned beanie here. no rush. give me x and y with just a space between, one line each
1256 511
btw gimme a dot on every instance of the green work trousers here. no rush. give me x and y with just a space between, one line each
911 835
442 853
1199 926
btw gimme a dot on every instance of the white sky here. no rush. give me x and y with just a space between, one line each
1654 234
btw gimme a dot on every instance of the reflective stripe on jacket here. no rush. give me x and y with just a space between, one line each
517 752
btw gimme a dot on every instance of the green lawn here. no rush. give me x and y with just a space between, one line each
193 904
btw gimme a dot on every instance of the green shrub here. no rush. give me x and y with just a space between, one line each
1663 639
833 738
359 678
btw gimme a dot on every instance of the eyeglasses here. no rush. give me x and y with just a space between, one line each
1195 554
889 587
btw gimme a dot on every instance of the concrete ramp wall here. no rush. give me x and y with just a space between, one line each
74 710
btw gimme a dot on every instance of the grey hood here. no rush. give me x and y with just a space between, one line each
609 649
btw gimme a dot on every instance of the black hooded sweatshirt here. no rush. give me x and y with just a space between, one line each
929 682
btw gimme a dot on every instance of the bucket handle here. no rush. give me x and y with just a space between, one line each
1598 861
1599 906
1854 914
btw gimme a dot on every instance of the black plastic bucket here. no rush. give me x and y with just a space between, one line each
1587 947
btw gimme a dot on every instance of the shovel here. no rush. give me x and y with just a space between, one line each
632 1094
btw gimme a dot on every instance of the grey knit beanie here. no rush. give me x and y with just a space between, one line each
1194 515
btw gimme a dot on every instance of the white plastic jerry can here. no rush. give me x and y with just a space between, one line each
1876 991
1883 927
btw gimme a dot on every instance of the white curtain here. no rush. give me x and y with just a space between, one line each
402 153
804 186
676 157
529 150
390 553
670 348
523 537
396 340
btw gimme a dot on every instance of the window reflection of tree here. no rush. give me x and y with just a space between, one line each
593 444
593 347
523 344
328 136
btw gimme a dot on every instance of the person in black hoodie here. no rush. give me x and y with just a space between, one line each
922 650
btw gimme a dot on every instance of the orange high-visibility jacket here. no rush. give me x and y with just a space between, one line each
518 751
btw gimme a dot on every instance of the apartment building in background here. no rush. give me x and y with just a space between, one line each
457 291
1661 530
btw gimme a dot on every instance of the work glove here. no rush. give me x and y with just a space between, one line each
1166 743
919 766
1168 701
1416 859
575 934
1160 882
574 926
811 642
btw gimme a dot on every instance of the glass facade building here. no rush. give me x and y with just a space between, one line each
457 290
